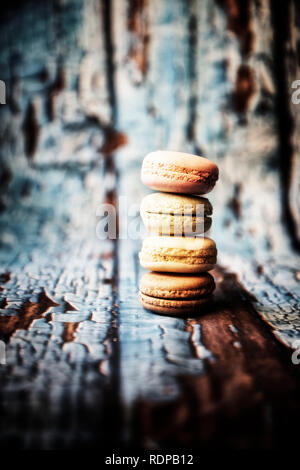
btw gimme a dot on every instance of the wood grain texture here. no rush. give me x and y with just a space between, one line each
58 288
92 87
239 402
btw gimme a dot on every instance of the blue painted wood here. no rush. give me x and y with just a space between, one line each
92 87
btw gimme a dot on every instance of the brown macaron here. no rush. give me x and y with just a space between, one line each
174 294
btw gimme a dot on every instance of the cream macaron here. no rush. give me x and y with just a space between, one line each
174 214
178 254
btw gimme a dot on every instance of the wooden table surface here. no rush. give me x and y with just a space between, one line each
91 88
88 367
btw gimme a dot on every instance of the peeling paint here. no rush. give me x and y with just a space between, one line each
69 331
239 22
55 88
113 141
245 88
29 311
138 26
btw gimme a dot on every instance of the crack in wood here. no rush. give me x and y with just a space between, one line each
193 76
31 131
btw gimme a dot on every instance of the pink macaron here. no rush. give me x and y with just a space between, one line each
178 172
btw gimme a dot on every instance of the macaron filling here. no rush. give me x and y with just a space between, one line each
193 260
172 172
190 304
172 294
167 252
195 293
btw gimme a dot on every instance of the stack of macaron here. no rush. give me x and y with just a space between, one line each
176 251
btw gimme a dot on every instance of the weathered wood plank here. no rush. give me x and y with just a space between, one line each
59 384
92 87
234 372
247 396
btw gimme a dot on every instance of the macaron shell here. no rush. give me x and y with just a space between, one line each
186 160
183 204
176 286
194 245
178 172
173 307
177 183
176 266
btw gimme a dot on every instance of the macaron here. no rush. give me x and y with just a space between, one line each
178 172
178 254
174 294
173 214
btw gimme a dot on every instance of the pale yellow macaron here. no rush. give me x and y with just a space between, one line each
178 254
172 294
174 214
